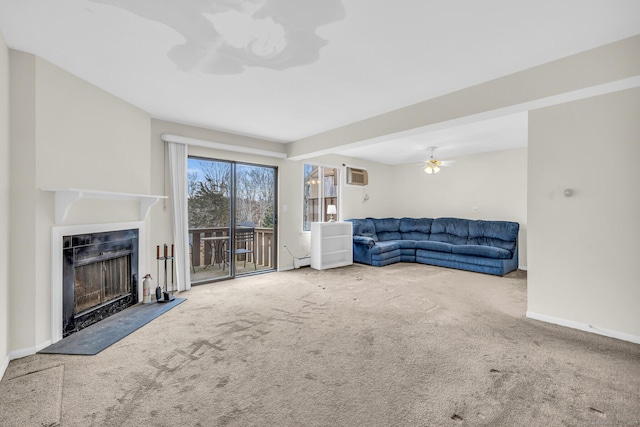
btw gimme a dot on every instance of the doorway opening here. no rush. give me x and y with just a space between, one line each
232 219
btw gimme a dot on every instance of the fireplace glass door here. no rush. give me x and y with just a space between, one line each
101 282
100 272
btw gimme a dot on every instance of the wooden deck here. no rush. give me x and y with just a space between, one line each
207 265
213 272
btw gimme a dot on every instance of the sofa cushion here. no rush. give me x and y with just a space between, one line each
363 240
386 259
382 247
501 234
364 227
463 262
406 244
415 228
387 228
394 255
482 251
450 230
430 245
422 256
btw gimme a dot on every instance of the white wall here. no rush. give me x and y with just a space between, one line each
584 250
22 276
65 133
495 183
4 205
379 190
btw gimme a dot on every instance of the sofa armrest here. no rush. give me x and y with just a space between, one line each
363 240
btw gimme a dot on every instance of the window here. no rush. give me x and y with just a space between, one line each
321 189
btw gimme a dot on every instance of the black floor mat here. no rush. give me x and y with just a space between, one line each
95 338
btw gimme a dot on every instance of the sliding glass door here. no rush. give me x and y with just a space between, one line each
232 219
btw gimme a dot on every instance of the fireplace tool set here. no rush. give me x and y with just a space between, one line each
160 295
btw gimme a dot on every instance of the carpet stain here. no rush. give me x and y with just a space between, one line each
187 355
258 333
288 320
435 307
199 348
223 382
239 325
226 419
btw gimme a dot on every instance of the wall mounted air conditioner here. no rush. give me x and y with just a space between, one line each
357 176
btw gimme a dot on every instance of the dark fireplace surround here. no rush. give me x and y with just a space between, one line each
99 276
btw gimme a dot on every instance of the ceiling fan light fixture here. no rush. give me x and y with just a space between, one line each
432 165
429 169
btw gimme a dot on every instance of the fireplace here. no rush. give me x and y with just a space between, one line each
99 276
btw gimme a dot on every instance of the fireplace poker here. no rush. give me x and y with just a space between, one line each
172 273
166 295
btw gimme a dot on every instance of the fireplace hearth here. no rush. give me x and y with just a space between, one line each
99 276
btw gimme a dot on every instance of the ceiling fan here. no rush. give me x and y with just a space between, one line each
432 165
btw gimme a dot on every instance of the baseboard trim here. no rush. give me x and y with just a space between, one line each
4 366
43 345
522 267
29 351
19 354
584 327
23 352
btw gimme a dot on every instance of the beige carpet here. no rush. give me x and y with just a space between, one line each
403 345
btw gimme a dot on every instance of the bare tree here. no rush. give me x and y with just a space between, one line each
209 193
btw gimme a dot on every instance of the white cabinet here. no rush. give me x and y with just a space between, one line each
331 244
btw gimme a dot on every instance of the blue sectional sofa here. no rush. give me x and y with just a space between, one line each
475 245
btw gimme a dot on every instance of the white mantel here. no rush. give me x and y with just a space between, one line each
66 197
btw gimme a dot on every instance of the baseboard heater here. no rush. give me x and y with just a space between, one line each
301 262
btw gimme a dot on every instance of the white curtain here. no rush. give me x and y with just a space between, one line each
178 172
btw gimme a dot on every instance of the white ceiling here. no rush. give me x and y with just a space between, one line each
282 70
500 133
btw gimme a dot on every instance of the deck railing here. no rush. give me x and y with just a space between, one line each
201 252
